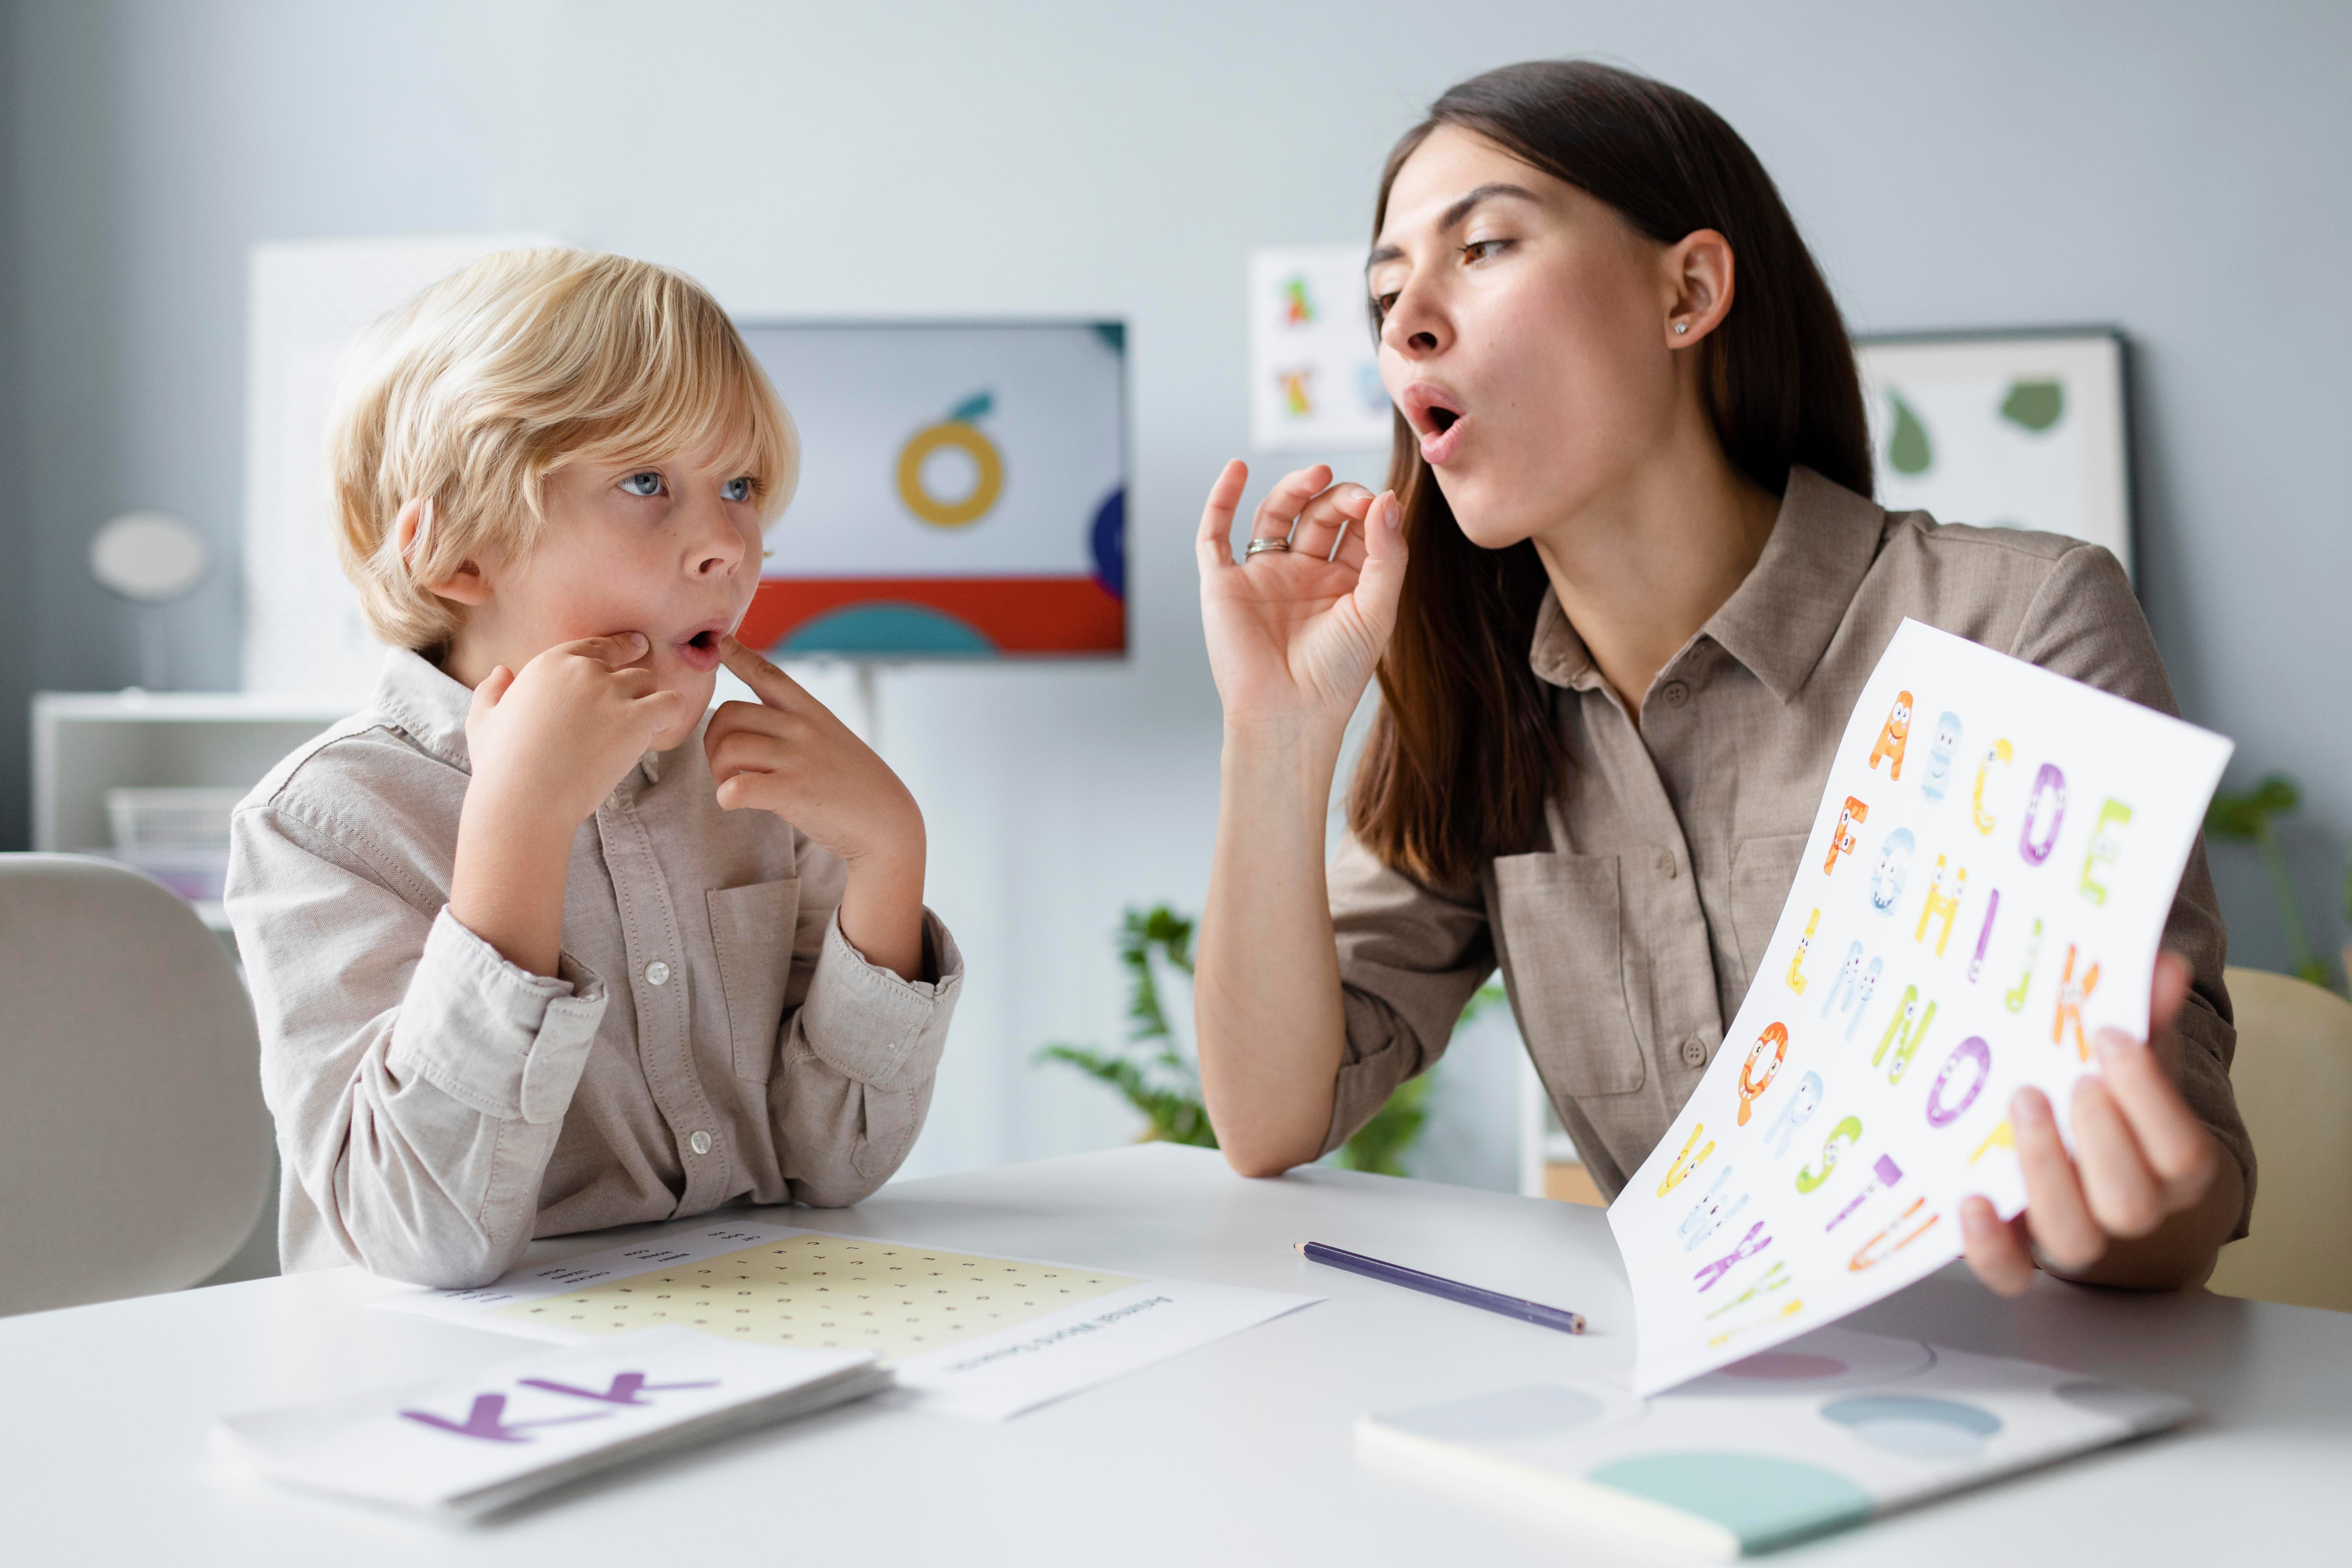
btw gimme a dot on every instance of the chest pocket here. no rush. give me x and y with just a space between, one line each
1560 924
1762 872
752 929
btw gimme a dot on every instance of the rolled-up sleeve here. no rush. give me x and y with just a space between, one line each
2086 624
859 1054
1410 960
418 1080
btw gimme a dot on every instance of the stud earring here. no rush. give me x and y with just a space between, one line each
1681 327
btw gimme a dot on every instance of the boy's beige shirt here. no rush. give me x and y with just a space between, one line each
1629 942
710 1038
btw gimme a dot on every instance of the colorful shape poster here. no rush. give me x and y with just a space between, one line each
962 490
1314 369
1983 891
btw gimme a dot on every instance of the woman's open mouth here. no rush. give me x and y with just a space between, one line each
1437 417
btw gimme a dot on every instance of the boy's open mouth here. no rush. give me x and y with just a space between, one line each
700 649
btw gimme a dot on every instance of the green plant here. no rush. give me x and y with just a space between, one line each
2248 818
1380 1145
1155 1078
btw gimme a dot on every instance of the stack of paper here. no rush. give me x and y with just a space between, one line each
1827 1431
465 1446
963 1332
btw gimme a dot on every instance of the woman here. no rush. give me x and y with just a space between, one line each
1621 593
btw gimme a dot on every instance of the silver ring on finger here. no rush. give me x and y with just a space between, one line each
1260 546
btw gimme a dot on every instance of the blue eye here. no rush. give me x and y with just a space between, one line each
648 483
736 489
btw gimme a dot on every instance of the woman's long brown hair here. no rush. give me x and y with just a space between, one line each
1464 750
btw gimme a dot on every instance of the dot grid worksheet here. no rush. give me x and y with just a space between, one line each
815 1291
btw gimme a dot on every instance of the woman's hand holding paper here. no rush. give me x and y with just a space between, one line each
2148 1194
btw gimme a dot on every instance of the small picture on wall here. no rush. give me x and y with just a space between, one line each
1315 372
2004 430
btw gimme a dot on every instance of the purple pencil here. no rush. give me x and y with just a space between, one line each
1517 1307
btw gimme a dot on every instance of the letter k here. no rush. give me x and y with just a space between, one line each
484 1421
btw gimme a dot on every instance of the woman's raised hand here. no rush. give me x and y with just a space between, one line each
1295 635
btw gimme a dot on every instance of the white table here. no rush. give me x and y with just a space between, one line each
1237 1453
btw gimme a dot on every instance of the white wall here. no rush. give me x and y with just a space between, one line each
2175 169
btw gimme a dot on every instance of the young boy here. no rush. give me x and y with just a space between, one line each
535 946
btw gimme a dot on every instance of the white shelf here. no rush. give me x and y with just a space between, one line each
131 705
87 742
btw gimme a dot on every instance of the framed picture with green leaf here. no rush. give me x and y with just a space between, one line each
2004 429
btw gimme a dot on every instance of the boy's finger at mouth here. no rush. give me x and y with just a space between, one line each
743 661
618 649
769 684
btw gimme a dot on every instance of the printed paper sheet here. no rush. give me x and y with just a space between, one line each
976 1335
1982 891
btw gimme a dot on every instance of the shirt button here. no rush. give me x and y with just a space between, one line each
700 1142
1667 864
1675 693
657 973
614 801
1694 1054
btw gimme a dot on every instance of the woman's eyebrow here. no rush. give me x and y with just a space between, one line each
1453 215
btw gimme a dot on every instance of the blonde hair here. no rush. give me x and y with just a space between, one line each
469 395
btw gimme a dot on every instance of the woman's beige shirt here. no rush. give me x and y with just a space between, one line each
1628 944
709 1037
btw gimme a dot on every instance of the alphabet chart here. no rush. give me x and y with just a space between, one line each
1983 890
978 1335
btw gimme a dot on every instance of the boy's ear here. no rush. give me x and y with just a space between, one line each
465 585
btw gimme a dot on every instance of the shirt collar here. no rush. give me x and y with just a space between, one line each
1779 622
431 708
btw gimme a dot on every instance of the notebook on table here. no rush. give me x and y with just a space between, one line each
1821 1434
462 1447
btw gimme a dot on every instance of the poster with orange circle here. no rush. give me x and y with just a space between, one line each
962 492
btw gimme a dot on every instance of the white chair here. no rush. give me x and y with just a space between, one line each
2293 1078
134 1147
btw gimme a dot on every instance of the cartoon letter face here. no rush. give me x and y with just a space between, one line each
2049 790
2106 848
1863 992
1849 973
1939 757
1842 1134
1971 1059
1804 945
1797 1111
1708 1215
2000 752
1774 1038
1841 836
1894 868
1893 736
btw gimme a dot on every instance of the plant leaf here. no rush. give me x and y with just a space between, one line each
1908 450
979 406
2033 404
